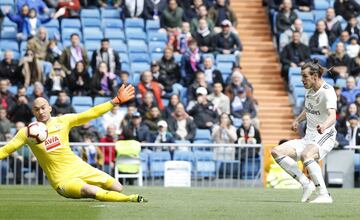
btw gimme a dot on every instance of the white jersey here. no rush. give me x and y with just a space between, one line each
317 105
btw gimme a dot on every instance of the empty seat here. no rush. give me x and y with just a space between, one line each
157 163
92 34
53 23
139 58
184 155
8 23
80 108
66 33
99 100
92 45
225 58
157 36
82 101
89 13
9 34
250 168
204 164
135 34
91 22
139 67
225 68
9 45
203 134
156 47
110 13
152 25
70 23
137 47
134 23
113 33
119 46
305 16
309 26
112 23
321 5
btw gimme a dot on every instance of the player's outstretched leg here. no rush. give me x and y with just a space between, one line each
308 157
283 155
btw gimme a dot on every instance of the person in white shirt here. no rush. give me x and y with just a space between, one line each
320 115
115 116
219 99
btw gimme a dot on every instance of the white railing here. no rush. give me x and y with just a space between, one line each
222 165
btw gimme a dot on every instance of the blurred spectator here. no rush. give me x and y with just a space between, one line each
353 49
341 102
53 52
353 131
237 83
153 118
133 8
169 76
224 133
339 61
172 16
19 19
113 117
287 36
21 110
79 132
72 8
191 11
39 43
219 99
285 17
136 130
170 108
33 22
108 55
181 125
162 135
347 8
32 69
248 134
357 103
321 40
6 97
153 9
190 63
73 54
203 36
37 92
109 151
202 13
228 42
203 112
212 75
350 91
199 82
276 5
131 108
79 80
179 41
332 23
124 77
90 153
344 38
57 80
155 70
148 84
242 104
352 27
109 3
221 12
295 54
5 124
62 105
38 5
9 69
147 103
304 5
342 122
103 82
355 66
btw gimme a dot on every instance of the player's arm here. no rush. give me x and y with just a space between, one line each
15 143
124 94
330 121
298 120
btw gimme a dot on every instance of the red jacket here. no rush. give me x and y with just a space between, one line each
75 6
109 152
156 90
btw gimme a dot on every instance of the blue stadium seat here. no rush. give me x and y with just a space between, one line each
137 47
9 45
144 156
80 108
47 67
112 33
184 155
53 23
341 82
23 45
134 23
299 92
90 13
53 99
8 23
294 71
202 134
156 56
124 58
126 67
319 14
119 46
225 68
329 81
92 45
110 13
321 5
70 23
204 164
92 34
112 23
139 58
91 22
156 47
322 59
157 163
165 101
139 67
152 26
135 34
305 16
157 36
225 58
309 26
67 32
13 89
357 162
250 168
53 33
8 34
7 2
135 78
82 101
99 100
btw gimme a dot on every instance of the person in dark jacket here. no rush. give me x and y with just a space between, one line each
242 104
153 9
286 17
347 8
204 113
136 130
332 24
9 69
62 105
108 55
222 11
352 27
339 62
212 75
181 125
203 37
103 82
79 80
199 82
293 55
321 40
304 5
21 110
170 108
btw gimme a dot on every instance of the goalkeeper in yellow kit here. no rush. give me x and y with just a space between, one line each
70 176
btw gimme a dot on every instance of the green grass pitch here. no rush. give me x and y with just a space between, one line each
41 202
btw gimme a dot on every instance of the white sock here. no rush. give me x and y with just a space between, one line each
316 176
291 167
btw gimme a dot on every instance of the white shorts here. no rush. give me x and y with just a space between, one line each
325 142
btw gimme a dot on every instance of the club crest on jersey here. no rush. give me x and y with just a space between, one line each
52 142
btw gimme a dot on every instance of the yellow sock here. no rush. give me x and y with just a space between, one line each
111 196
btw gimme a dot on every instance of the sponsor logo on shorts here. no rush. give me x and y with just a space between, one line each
52 142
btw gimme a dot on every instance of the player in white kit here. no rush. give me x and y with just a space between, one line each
320 115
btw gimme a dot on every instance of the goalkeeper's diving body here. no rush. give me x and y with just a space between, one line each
68 174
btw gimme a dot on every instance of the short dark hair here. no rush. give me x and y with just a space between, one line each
315 67
74 34
105 40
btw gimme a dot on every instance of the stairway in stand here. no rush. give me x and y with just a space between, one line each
260 65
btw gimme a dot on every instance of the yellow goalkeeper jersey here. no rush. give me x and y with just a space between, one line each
54 154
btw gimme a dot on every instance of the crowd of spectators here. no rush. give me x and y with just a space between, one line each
336 42
198 94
